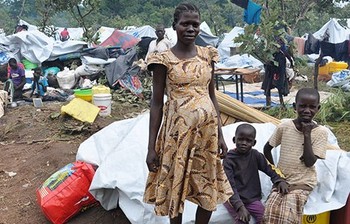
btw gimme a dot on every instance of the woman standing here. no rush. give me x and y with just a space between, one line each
185 137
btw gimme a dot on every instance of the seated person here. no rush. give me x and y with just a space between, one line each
17 75
64 35
302 142
40 83
241 167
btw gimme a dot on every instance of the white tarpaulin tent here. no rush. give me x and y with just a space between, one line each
236 60
30 26
120 152
143 31
74 33
227 42
204 36
36 47
103 33
337 33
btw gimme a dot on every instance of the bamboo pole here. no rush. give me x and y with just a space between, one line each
241 111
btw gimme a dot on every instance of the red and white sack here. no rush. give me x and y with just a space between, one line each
66 192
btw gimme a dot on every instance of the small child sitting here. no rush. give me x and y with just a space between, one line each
40 83
241 167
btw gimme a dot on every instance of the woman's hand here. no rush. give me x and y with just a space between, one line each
152 160
222 150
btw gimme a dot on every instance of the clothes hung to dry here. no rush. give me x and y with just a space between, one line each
337 51
299 42
275 76
252 13
312 45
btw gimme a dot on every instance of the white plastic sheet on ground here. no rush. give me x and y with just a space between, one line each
340 79
36 47
30 44
120 152
240 61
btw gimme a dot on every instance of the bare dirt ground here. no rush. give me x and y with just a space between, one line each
33 145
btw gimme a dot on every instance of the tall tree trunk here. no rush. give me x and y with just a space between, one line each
305 8
283 9
22 9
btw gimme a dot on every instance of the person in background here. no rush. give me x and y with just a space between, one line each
40 83
16 74
160 44
64 35
242 166
20 28
185 137
302 142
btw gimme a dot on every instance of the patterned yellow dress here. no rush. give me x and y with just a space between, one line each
187 143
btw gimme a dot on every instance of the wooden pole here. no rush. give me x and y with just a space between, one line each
317 63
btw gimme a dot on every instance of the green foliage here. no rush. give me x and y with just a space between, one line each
120 23
281 113
336 108
46 9
80 11
261 40
221 15
6 22
301 16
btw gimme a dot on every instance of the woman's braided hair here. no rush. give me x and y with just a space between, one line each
184 7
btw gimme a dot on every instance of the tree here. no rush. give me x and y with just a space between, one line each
80 10
261 41
280 14
221 15
8 23
46 9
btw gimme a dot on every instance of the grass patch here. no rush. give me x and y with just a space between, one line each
335 108
334 112
341 130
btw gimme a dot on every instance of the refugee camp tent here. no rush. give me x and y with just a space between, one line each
103 33
120 39
229 55
139 32
74 33
143 31
227 43
336 32
171 35
36 47
30 26
204 38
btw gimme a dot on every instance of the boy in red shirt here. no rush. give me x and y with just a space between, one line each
64 36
